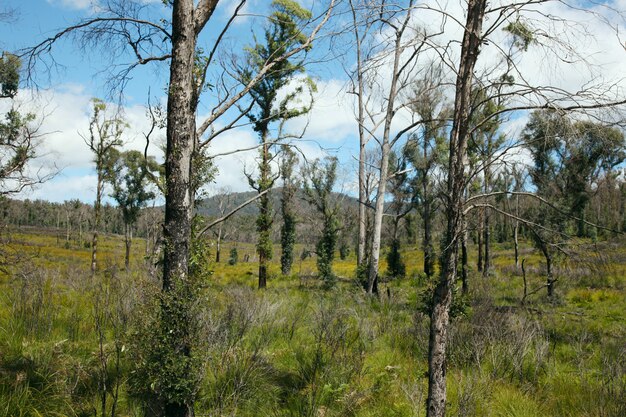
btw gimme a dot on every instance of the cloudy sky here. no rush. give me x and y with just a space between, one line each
577 48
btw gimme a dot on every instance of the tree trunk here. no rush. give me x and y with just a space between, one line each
68 227
384 168
378 219
262 270
362 220
549 279
264 221
218 245
429 251
479 239
128 241
515 233
181 140
486 213
97 208
442 297
486 239
362 207
464 259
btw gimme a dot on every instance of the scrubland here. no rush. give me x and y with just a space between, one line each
72 344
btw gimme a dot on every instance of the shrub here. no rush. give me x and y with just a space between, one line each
234 257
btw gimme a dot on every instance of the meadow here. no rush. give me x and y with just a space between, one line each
71 344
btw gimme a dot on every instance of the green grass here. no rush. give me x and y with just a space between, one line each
299 350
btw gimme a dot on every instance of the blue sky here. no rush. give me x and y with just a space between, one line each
65 93
63 98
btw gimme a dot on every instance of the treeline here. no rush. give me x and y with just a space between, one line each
72 219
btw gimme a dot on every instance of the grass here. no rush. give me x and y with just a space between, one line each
299 350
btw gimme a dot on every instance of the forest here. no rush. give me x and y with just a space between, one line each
441 236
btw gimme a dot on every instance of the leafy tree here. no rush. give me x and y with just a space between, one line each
128 176
400 207
426 150
567 158
318 182
485 140
18 134
282 35
105 135
9 75
234 257
395 264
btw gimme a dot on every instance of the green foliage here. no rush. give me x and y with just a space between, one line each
344 251
234 257
128 174
281 36
568 158
318 183
395 266
167 367
18 138
9 74
523 35
460 303
288 229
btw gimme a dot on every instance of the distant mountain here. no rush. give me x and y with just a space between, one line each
210 206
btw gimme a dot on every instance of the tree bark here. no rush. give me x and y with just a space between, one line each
384 166
181 140
515 233
479 239
362 243
464 260
486 226
97 208
264 221
429 251
218 245
442 297
128 235
549 279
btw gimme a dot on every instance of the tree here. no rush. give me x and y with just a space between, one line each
467 74
568 157
129 26
223 204
288 229
399 208
485 140
318 182
18 134
105 134
283 34
389 41
426 151
128 176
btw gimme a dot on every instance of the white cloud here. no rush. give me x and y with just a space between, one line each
74 4
332 117
64 115
64 187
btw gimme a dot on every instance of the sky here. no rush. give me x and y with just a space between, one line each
61 98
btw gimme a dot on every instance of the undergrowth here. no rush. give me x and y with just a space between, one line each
69 344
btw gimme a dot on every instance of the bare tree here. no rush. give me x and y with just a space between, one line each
397 47
105 134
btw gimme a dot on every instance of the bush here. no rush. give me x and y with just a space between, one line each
234 257
395 265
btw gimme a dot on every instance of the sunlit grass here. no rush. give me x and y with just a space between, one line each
561 357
